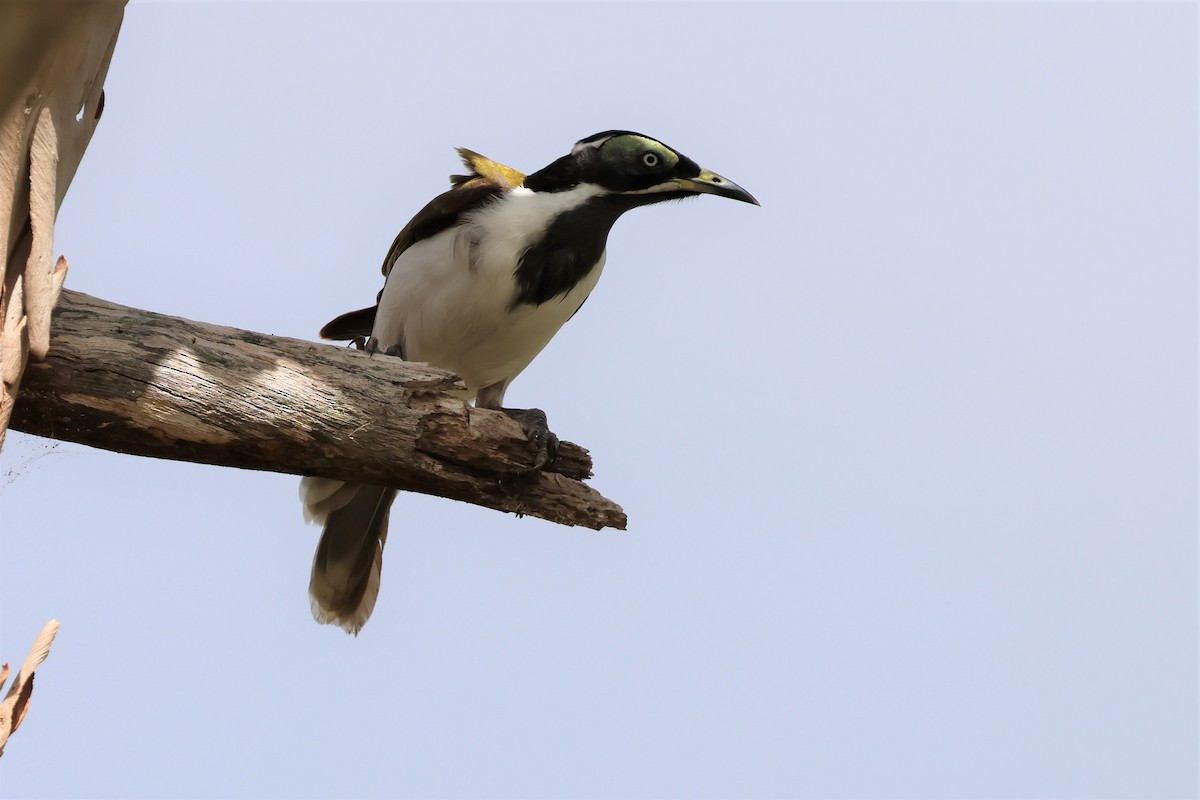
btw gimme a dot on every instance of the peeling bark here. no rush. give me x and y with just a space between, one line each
54 57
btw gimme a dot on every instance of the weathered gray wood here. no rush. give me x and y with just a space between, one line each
137 382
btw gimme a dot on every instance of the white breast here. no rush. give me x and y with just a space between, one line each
448 299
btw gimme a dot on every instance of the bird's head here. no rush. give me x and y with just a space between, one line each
637 167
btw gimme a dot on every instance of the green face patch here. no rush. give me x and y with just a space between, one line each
631 153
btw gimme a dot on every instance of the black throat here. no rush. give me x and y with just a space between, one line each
570 248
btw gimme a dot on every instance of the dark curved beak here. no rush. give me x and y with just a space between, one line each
709 182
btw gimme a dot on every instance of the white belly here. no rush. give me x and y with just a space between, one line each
448 301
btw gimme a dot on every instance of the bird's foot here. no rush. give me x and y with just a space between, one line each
533 420
372 346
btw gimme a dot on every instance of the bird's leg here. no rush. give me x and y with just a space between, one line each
532 420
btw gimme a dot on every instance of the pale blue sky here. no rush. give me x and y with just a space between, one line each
909 453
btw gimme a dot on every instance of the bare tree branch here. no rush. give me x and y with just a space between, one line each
137 382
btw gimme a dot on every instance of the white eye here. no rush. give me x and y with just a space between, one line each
650 159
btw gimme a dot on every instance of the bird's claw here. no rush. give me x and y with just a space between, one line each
371 346
537 429
547 450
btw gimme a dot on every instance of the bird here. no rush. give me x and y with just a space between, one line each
478 283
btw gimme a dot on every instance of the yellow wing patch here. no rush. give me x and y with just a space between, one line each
484 169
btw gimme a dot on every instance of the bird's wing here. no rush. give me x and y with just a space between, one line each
487 179
442 212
